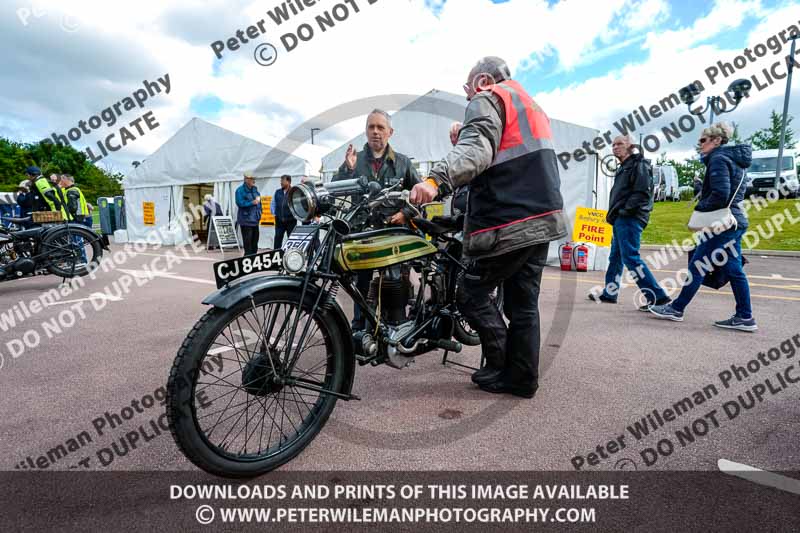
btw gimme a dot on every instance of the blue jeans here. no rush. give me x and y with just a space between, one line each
625 252
727 242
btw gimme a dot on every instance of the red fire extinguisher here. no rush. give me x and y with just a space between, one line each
565 252
581 258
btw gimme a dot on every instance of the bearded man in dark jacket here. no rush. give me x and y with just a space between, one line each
380 163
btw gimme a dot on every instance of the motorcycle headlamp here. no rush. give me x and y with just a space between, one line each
309 200
304 201
294 261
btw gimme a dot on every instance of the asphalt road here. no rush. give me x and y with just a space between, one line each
604 367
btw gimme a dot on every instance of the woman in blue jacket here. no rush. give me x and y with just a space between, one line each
722 186
248 200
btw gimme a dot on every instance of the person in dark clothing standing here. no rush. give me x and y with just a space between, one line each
25 201
505 154
284 220
629 213
380 163
248 200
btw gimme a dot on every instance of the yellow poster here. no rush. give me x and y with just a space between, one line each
435 209
591 227
149 211
267 219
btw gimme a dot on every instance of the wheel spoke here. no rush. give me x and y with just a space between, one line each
258 338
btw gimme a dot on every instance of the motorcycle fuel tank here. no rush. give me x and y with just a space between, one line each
382 251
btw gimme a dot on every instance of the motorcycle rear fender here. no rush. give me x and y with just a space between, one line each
230 296
73 226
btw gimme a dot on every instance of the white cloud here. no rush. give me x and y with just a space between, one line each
391 47
646 14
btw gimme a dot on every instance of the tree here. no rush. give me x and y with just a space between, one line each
769 138
687 170
56 159
736 137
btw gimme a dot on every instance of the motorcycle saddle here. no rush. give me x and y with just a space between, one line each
28 233
14 220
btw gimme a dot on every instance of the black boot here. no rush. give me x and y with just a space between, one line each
486 374
503 385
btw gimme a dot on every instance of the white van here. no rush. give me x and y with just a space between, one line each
665 179
761 174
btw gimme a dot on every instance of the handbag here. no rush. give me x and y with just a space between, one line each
717 278
715 221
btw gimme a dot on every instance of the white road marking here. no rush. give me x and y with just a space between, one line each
251 339
94 296
761 477
772 277
166 275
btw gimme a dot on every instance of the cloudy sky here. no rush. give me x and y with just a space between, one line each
584 61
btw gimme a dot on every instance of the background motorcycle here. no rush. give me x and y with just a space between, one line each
67 250
259 374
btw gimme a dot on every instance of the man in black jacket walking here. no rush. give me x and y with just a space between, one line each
629 212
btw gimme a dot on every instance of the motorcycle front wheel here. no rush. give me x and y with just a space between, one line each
234 408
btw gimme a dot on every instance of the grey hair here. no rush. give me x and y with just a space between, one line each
380 112
491 66
68 177
628 138
719 129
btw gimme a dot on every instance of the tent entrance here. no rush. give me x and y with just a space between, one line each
193 195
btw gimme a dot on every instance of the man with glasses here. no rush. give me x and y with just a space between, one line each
504 153
248 200
629 212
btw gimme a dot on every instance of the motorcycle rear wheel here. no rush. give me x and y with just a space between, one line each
228 410
464 333
72 253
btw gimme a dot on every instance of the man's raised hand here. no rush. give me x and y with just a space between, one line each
351 157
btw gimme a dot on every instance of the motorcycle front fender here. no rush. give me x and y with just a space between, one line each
230 296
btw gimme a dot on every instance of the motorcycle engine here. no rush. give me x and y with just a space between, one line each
7 253
393 290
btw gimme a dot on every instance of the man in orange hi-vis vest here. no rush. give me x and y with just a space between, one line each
505 153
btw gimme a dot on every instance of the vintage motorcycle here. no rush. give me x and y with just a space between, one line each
66 249
259 374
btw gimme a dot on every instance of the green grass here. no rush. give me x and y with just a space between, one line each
668 222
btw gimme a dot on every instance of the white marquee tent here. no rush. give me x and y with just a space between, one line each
201 153
421 132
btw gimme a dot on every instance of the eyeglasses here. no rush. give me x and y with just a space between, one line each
704 140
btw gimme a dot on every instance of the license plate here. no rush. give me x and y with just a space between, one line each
764 189
233 269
